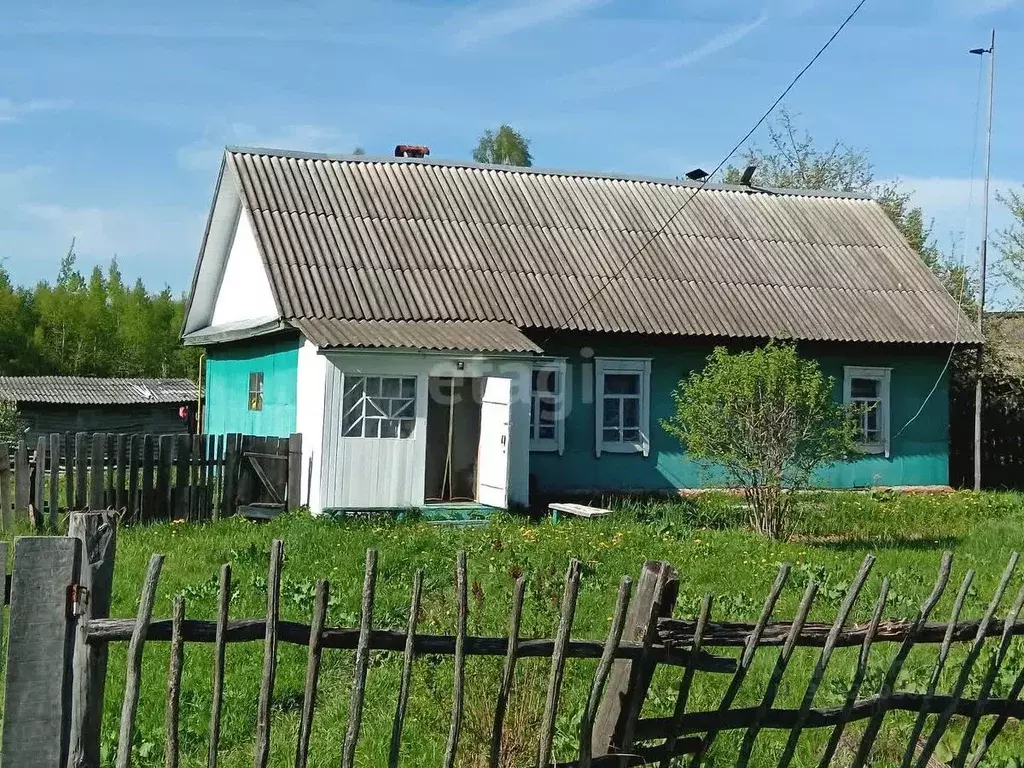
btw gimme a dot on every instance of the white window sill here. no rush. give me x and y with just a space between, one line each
873 449
622 448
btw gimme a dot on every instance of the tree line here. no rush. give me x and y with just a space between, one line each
91 325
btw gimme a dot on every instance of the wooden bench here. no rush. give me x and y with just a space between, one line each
576 510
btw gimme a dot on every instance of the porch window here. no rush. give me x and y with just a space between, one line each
379 407
547 406
622 394
256 391
866 392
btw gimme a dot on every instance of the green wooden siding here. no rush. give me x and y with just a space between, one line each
919 454
227 387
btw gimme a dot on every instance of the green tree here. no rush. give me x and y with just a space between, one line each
18 354
506 146
1009 242
768 418
98 327
10 424
793 160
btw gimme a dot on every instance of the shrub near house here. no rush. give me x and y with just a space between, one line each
768 418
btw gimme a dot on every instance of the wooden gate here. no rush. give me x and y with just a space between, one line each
268 474
59 636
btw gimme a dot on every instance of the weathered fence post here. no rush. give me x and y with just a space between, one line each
294 472
627 686
229 499
6 510
37 694
22 481
39 483
97 499
98 533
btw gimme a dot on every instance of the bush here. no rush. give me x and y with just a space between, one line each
766 417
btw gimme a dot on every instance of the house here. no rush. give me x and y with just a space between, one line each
48 404
442 331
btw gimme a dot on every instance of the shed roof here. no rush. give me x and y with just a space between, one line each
351 238
83 390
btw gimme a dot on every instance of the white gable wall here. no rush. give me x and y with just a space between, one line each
244 292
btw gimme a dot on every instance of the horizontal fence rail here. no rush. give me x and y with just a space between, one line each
337 638
677 633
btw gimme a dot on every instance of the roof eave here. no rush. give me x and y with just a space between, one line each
202 247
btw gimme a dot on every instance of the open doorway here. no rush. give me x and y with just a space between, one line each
453 437
467 440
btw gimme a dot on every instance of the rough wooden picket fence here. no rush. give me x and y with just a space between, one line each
148 477
611 731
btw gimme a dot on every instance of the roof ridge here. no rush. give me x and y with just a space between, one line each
579 174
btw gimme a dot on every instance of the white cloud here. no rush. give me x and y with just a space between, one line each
719 42
976 8
955 202
643 68
156 243
12 111
493 22
204 154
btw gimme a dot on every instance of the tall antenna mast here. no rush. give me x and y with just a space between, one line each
983 256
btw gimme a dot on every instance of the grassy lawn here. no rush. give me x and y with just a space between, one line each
703 539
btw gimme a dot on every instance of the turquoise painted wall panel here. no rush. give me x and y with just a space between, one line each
919 453
227 387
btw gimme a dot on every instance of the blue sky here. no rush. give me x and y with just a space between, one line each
113 113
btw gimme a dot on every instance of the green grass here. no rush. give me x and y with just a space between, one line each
704 539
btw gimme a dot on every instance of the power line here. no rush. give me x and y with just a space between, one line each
963 266
658 232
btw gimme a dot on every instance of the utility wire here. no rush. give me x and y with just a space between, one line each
963 266
657 233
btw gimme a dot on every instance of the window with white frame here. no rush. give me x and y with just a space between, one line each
379 406
866 392
256 391
547 406
622 395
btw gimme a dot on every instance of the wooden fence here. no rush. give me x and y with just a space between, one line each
59 635
147 477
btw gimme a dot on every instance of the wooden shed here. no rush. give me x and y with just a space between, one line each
49 404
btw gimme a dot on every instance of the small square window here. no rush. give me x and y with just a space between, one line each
256 391
378 407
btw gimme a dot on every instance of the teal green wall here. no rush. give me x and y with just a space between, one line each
919 454
227 387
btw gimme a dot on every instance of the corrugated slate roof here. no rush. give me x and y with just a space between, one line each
82 390
486 336
416 240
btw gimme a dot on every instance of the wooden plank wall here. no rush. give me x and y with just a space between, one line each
149 477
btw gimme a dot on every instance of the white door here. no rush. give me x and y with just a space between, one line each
492 456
